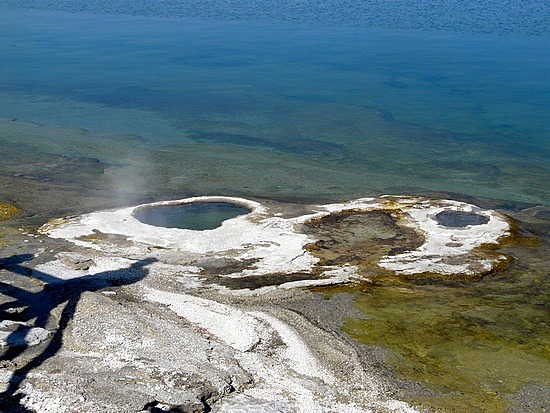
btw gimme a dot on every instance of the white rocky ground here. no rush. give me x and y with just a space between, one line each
446 249
177 340
275 246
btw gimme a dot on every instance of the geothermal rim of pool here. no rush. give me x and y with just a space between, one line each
275 245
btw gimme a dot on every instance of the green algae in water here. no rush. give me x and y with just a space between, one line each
8 210
474 344
196 216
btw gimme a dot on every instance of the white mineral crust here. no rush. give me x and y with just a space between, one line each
287 374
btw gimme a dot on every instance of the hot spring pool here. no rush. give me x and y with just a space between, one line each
197 216
460 219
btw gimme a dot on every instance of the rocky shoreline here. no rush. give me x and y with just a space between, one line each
123 349
126 320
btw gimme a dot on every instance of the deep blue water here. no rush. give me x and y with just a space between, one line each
309 99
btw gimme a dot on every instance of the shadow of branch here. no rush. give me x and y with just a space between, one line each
27 306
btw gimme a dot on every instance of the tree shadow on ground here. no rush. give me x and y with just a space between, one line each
38 306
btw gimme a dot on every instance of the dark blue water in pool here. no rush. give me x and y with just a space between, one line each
307 100
460 219
196 216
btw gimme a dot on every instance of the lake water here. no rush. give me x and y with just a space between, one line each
271 101
131 100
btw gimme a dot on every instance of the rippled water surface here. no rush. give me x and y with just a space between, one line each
267 107
111 103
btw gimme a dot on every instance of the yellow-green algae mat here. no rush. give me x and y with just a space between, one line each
476 344
8 210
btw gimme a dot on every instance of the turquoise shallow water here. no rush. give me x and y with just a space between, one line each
266 106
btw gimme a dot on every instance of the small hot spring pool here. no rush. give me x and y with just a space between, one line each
196 216
460 219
